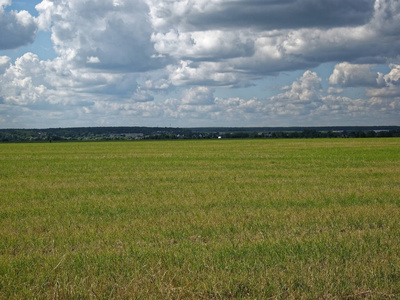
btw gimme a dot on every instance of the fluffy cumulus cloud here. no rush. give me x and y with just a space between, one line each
103 34
19 83
198 96
305 90
270 36
305 99
157 62
17 28
36 84
4 63
346 74
390 93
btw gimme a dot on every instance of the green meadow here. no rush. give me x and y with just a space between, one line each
210 219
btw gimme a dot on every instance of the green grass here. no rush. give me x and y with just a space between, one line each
218 219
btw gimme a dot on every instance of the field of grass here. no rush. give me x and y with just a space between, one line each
217 219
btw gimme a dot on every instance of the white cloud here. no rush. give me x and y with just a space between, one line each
306 89
46 10
203 73
4 63
332 90
346 74
30 81
4 4
233 39
92 60
391 91
117 34
213 109
341 29
198 96
17 28
160 84
141 60
305 102
202 45
394 75
19 83
142 96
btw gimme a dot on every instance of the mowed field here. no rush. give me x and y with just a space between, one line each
215 219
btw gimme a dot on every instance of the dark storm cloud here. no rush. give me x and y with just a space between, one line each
286 14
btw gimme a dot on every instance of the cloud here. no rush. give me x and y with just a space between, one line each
391 89
249 39
142 96
306 89
198 96
114 35
228 43
305 102
289 14
17 28
19 83
332 90
154 61
393 78
212 109
353 75
263 15
3 4
4 63
203 45
203 73
31 81
92 60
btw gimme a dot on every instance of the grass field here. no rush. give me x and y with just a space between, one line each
218 219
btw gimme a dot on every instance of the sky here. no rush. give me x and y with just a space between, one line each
199 63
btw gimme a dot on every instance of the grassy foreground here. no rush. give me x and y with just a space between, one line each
257 219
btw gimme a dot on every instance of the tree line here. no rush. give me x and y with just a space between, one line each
165 133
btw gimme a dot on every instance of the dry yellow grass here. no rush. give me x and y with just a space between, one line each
279 219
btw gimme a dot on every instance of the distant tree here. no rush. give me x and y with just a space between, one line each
239 135
294 135
330 134
310 133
